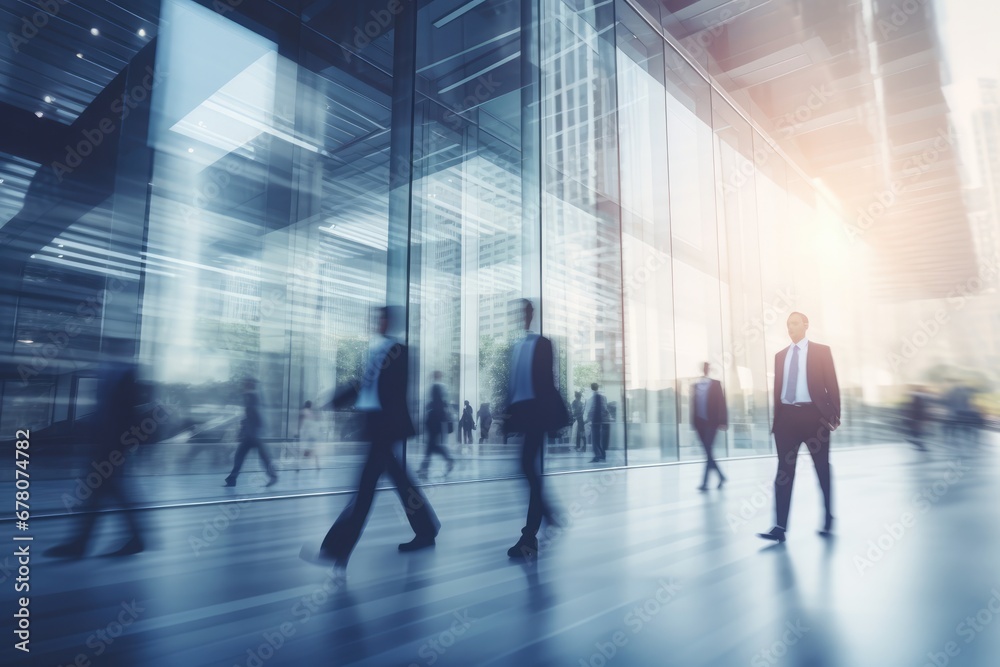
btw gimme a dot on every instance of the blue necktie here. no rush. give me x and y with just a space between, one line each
792 381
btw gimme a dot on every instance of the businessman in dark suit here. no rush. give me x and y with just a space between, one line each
380 395
806 410
534 407
708 415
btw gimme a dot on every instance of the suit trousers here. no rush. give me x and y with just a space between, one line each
346 531
246 444
597 439
798 425
531 464
706 433
435 445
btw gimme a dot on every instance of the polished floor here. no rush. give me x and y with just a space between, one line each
648 572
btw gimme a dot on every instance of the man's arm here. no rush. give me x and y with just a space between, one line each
832 386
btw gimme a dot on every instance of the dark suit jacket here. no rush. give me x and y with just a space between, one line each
437 410
717 415
548 410
393 421
821 378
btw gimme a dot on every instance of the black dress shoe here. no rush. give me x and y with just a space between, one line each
703 488
417 543
827 526
722 480
594 460
525 549
230 482
272 481
133 546
777 534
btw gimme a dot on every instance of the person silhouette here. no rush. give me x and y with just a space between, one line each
708 415
468 423
534 407
437 419
596 414
113 446
580 442
380 395
485 422
251 429
806 410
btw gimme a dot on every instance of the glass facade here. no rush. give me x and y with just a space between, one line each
271 176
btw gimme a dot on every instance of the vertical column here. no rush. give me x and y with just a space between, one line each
531 156
401 155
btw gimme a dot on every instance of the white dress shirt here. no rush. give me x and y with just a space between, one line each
802 386
368 401
522 387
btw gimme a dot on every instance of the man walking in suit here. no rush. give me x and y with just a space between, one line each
251 430
580 443
437 421
381 396
806 410
597 416
708 410
534 407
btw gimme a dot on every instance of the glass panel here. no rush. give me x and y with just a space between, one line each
649 325
581 294
468 233
694 234
745 313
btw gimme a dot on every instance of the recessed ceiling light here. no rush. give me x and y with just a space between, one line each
190 150
60 245
79 55
39 114
95 32
60 256
26 341
49 99
142 32
1 181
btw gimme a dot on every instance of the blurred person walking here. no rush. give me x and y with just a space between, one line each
580 440
485 422
436 424
597 415
113 446
251 429
308 436
534 407
708 410
806 410
468 423
380 395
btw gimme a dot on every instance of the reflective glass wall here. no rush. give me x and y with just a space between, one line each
273 174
